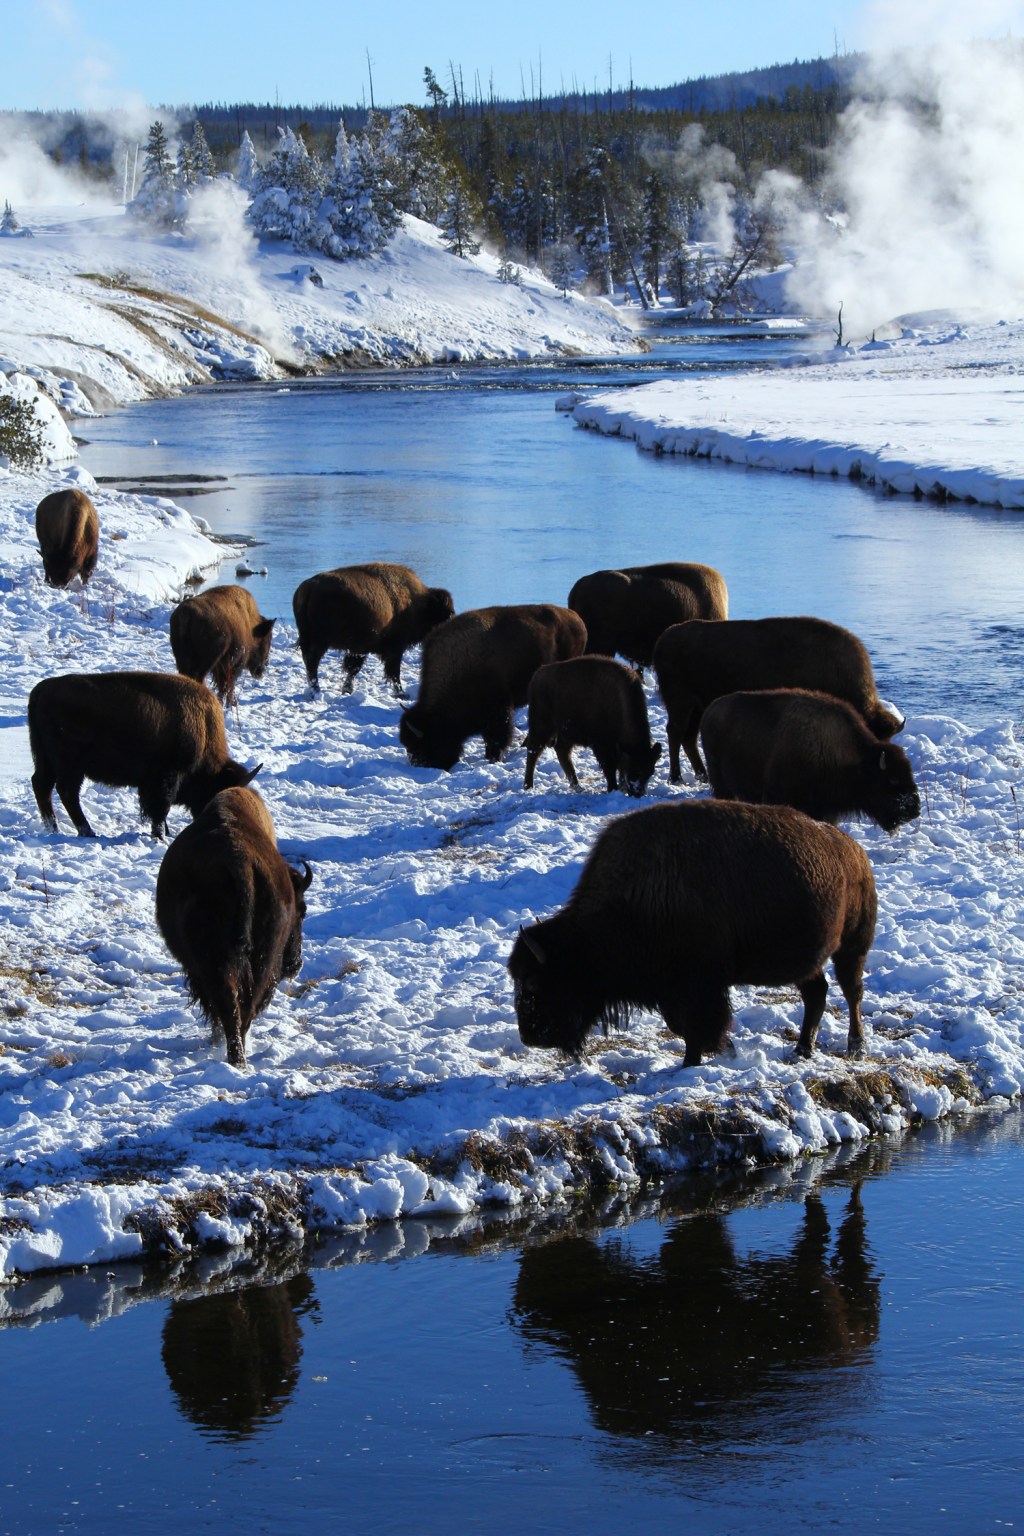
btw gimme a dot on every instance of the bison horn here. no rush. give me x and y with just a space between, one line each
532 945
252 772
307 879
413 728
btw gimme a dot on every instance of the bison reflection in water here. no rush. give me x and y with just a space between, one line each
233 1359
701 1342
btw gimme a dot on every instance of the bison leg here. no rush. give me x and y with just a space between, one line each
608 762
68 787
849 969
43 782
156 797
497 734
353 665
814 992
393 671
532 755
563 751
88 566
700 1014
312 656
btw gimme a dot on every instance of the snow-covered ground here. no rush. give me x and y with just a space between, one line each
388 1078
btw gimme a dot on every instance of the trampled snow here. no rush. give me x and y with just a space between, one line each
388 1078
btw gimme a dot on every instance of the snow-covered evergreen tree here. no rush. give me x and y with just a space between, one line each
247 173
158 200
412 162
185 175
562 267
460 217
288 193
202 157
9 222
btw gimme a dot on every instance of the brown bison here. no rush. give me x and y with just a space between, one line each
230 910
68 531
379 610
476 672
625 611
792 747
677 903
220 631
595 702
153 731
698 662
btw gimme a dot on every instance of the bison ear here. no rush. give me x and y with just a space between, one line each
264 627
532 945
252 772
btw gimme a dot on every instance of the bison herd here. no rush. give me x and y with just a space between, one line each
676 903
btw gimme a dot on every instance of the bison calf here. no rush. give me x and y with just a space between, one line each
792 747
698 662
153 731
230 910
220 631
476 672
677 903
362 610
68 531
626 611
592 702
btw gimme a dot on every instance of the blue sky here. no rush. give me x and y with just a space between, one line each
101 53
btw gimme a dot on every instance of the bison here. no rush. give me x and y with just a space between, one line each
626 611
476 672
698 662
221 631
68 531
595 702
230 910
153 731
363 610
793 747
677 903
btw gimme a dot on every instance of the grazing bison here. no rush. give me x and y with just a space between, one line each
153 731
625 611
792 747
221 631
595 702
230 910
364 610
677 903
698 662
476 672
68 531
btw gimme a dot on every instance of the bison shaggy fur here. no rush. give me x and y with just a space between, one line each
678 903
230 910
152 731
221 631
476 672
698 662
363 610
68 531
793 747
595 702
626 611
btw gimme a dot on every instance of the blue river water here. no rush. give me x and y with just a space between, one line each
833 1347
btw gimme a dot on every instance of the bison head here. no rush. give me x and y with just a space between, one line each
429 742
438 607
636 768
550 1010
260 653
894 796
291 959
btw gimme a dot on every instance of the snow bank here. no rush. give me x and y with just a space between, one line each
388 1078
934 411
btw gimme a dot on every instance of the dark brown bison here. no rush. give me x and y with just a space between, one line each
221 631
625 611
230 910
792 747
677 903
68 531
153 731
476 672
595 702
363 610
698 662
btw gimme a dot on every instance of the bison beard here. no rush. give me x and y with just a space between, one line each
678 903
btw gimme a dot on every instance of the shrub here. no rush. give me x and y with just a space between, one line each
21 434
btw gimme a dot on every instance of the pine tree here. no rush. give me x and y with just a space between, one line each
657 228
248 172
202 159
562 267
157 200
460 216
9 222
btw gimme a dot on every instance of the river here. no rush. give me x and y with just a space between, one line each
823 1347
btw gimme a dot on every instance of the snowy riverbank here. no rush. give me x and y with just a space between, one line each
388 1079
934 409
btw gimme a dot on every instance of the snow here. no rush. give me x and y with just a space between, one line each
388 1079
